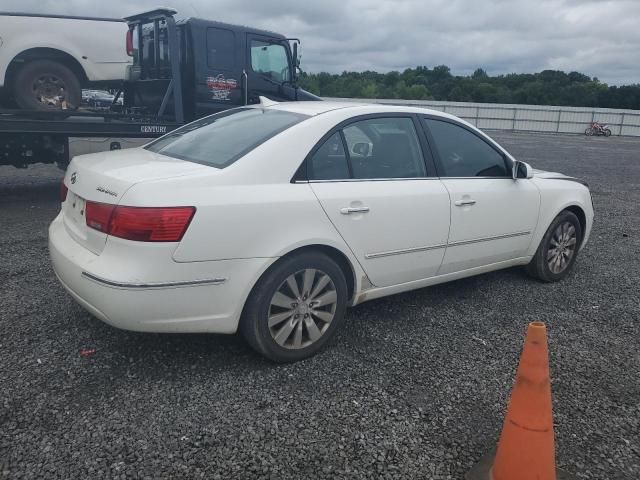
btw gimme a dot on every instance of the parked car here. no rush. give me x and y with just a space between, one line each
46 60
99 99
272 219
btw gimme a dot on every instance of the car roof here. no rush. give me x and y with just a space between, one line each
313 108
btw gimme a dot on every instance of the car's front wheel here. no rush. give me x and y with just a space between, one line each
558 249
296 307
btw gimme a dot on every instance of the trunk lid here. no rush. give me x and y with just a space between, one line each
104 178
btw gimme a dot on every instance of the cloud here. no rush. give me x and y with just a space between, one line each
597 37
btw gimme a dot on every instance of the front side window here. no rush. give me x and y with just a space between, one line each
270 59
221 139
463 154
384 148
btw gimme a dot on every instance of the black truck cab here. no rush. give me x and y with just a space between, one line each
217 66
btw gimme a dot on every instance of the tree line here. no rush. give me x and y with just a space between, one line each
549 87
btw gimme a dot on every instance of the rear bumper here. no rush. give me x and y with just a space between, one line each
147 290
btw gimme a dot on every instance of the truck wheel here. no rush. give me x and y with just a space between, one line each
47 85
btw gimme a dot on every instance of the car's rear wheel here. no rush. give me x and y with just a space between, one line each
46 85
295 308
558 249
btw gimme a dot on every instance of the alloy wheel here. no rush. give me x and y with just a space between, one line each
562 247
302 308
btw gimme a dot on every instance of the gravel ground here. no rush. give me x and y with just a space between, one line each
415 386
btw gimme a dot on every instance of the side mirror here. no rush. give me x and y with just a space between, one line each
361 149
296 59
521 170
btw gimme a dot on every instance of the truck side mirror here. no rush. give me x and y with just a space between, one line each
296 62
296 59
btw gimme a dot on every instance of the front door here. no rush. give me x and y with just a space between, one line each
371 181
492 216
268 69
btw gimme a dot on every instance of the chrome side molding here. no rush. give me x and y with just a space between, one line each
487 239
370 256
142 286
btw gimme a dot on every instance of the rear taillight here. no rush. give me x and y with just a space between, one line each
63 191
98 215
130 43
143 224
166 224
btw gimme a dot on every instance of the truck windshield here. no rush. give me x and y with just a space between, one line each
221 139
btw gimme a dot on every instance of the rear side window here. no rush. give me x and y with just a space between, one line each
377 148
221 139
221 53
330 161
464 154
384 148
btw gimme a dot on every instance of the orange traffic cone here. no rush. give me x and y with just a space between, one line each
526 449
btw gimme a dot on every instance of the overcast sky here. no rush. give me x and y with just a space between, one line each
597 37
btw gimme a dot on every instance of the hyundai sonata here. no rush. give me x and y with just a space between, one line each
272 219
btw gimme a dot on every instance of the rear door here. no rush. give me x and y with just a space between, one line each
372 182
218 68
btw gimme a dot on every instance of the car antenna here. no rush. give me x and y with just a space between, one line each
265 102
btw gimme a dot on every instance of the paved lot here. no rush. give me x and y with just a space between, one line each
414 387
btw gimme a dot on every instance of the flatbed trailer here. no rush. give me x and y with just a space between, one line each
28 137
182 70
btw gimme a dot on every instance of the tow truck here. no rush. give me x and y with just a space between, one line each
182 70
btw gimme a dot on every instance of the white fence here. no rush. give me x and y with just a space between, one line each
528 118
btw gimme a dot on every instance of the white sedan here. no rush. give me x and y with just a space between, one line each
272 219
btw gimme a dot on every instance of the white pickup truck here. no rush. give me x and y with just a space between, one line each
46 60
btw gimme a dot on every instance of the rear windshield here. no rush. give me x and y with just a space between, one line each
221 139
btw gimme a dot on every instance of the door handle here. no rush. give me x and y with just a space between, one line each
462 203
350 210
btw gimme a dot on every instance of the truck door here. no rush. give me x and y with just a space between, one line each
219 80
268 69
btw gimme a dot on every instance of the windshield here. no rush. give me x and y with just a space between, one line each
221 139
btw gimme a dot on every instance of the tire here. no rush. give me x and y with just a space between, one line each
588 132
291 335
607 132
47 85
548 264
